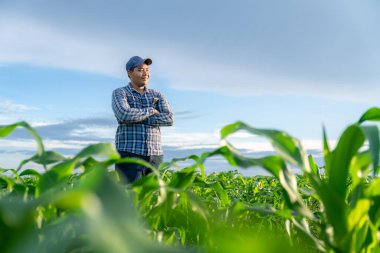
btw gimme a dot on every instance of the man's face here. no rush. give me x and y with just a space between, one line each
140 75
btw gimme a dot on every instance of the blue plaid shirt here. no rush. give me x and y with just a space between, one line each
139 128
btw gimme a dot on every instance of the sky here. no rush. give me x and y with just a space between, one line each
279 64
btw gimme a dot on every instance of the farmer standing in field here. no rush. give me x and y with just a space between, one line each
140 112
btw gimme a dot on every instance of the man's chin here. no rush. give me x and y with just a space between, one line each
142 84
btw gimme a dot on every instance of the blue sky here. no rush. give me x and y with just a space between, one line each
290 65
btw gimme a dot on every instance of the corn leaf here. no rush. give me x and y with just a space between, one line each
372 114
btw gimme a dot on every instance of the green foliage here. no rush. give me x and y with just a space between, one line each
80 204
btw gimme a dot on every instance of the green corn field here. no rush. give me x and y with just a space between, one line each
79 204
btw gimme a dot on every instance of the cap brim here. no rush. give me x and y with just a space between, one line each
148 61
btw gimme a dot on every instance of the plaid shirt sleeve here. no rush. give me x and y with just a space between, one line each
165 117
123 111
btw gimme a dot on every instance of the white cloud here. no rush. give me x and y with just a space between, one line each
171 139
237 61
240 140
41 123
30 145
261 146
12 160
190 140
29 41
94 132
8 106
20 145
177 144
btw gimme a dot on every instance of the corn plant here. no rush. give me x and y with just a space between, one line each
185 210
349 200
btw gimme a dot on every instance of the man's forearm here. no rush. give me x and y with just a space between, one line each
133 115
161 119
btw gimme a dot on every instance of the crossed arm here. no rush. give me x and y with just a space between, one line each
162 116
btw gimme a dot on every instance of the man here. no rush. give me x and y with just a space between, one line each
140 112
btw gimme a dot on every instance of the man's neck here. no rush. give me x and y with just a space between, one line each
140 90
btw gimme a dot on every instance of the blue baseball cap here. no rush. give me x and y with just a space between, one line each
137 61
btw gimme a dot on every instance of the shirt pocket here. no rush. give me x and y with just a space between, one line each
134 102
